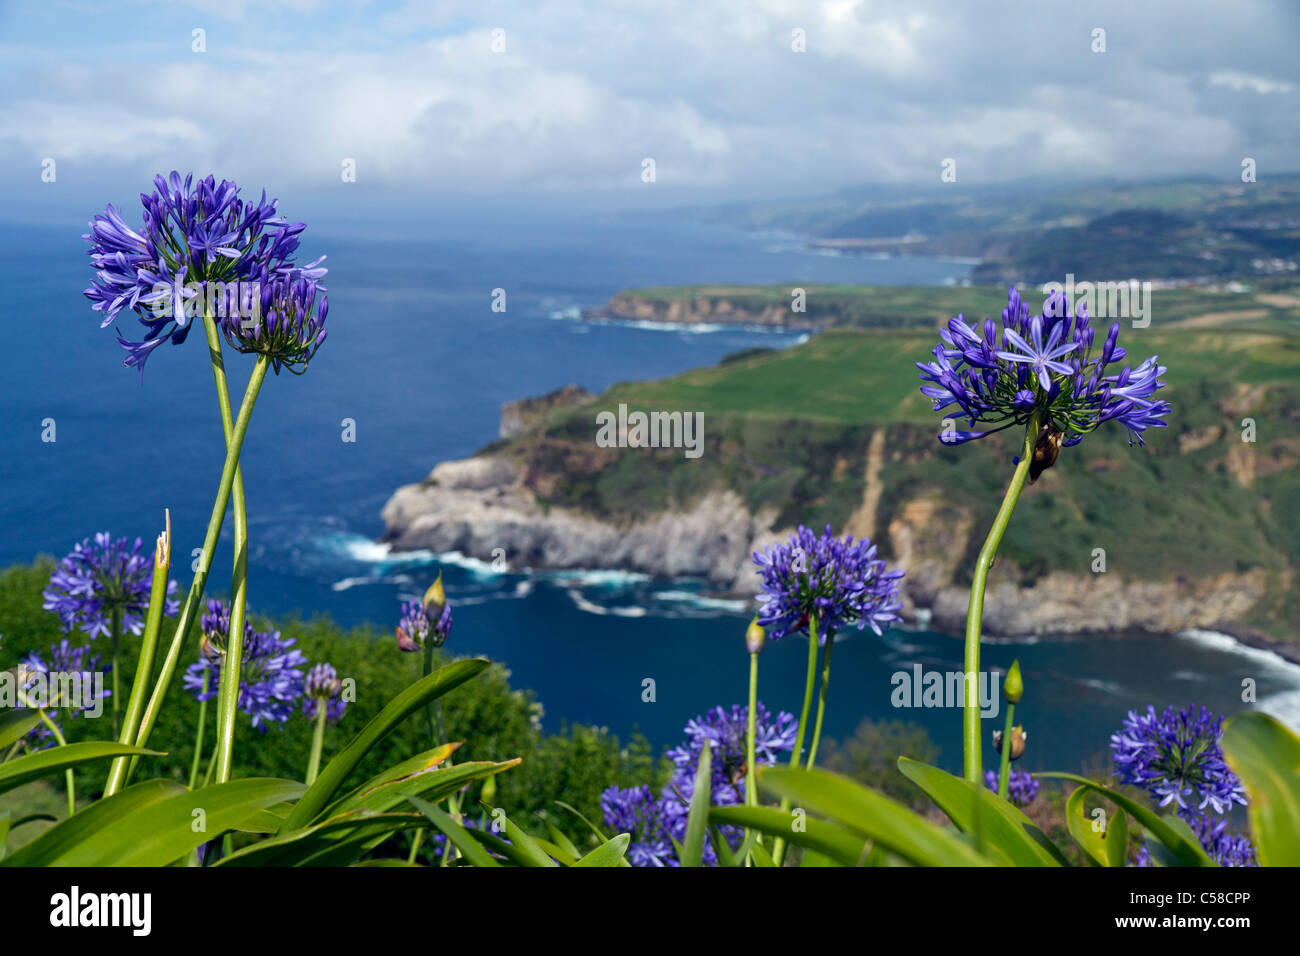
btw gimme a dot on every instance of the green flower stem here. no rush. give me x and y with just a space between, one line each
198 735
973 760
119 773
116 629
426 668
317 742
228 686
810 680
67 774
62 742
751 776
190 612
212 766
1004 774
821 699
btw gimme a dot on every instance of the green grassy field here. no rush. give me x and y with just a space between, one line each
789 430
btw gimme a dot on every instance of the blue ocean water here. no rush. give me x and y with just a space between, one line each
420 363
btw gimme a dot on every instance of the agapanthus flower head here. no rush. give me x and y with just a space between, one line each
839 580
1224 848
271 678
655 822
199 240
323 687
1001 375
637 811
1021 786
1175 756
417 628
73 684
288 325
100 576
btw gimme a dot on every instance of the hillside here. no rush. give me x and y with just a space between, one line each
1199 528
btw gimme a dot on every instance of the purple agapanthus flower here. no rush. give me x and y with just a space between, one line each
635 810
1175 756
271 678
1021 787
838 579
100 577
195 235
289 325
416 627
71 683
655 822
1224 848
323 687
999 375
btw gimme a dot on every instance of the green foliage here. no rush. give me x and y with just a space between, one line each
493 720
870 757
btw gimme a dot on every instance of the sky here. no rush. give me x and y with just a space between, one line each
441 105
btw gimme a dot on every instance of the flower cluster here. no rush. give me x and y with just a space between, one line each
323 688
196 239
289 326
1000 376
417 627
96 579
67 669
1176 758
270 677
655 822
1021 786
839 580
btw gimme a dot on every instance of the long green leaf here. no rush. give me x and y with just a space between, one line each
610 853
432 785
474 854
16 723
153 826
836 842
528 848
1106 848
890 824
422 692
1002 829
697 818
298 847
1184 847
1266 756
33 766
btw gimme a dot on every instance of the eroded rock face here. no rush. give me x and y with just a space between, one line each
480 504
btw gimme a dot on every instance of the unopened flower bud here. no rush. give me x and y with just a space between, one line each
1018 739
435 599
755 636
1014 687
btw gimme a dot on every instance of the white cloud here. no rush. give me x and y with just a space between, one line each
1240 82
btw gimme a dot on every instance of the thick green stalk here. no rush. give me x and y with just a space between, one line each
751 776
116 629
821 699
119 773
198 734
228 687
810 680
1004 774
190 612
53 728
426 668
973 759
317 742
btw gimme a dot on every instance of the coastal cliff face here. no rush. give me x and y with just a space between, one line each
1200 528
711 307
479 505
